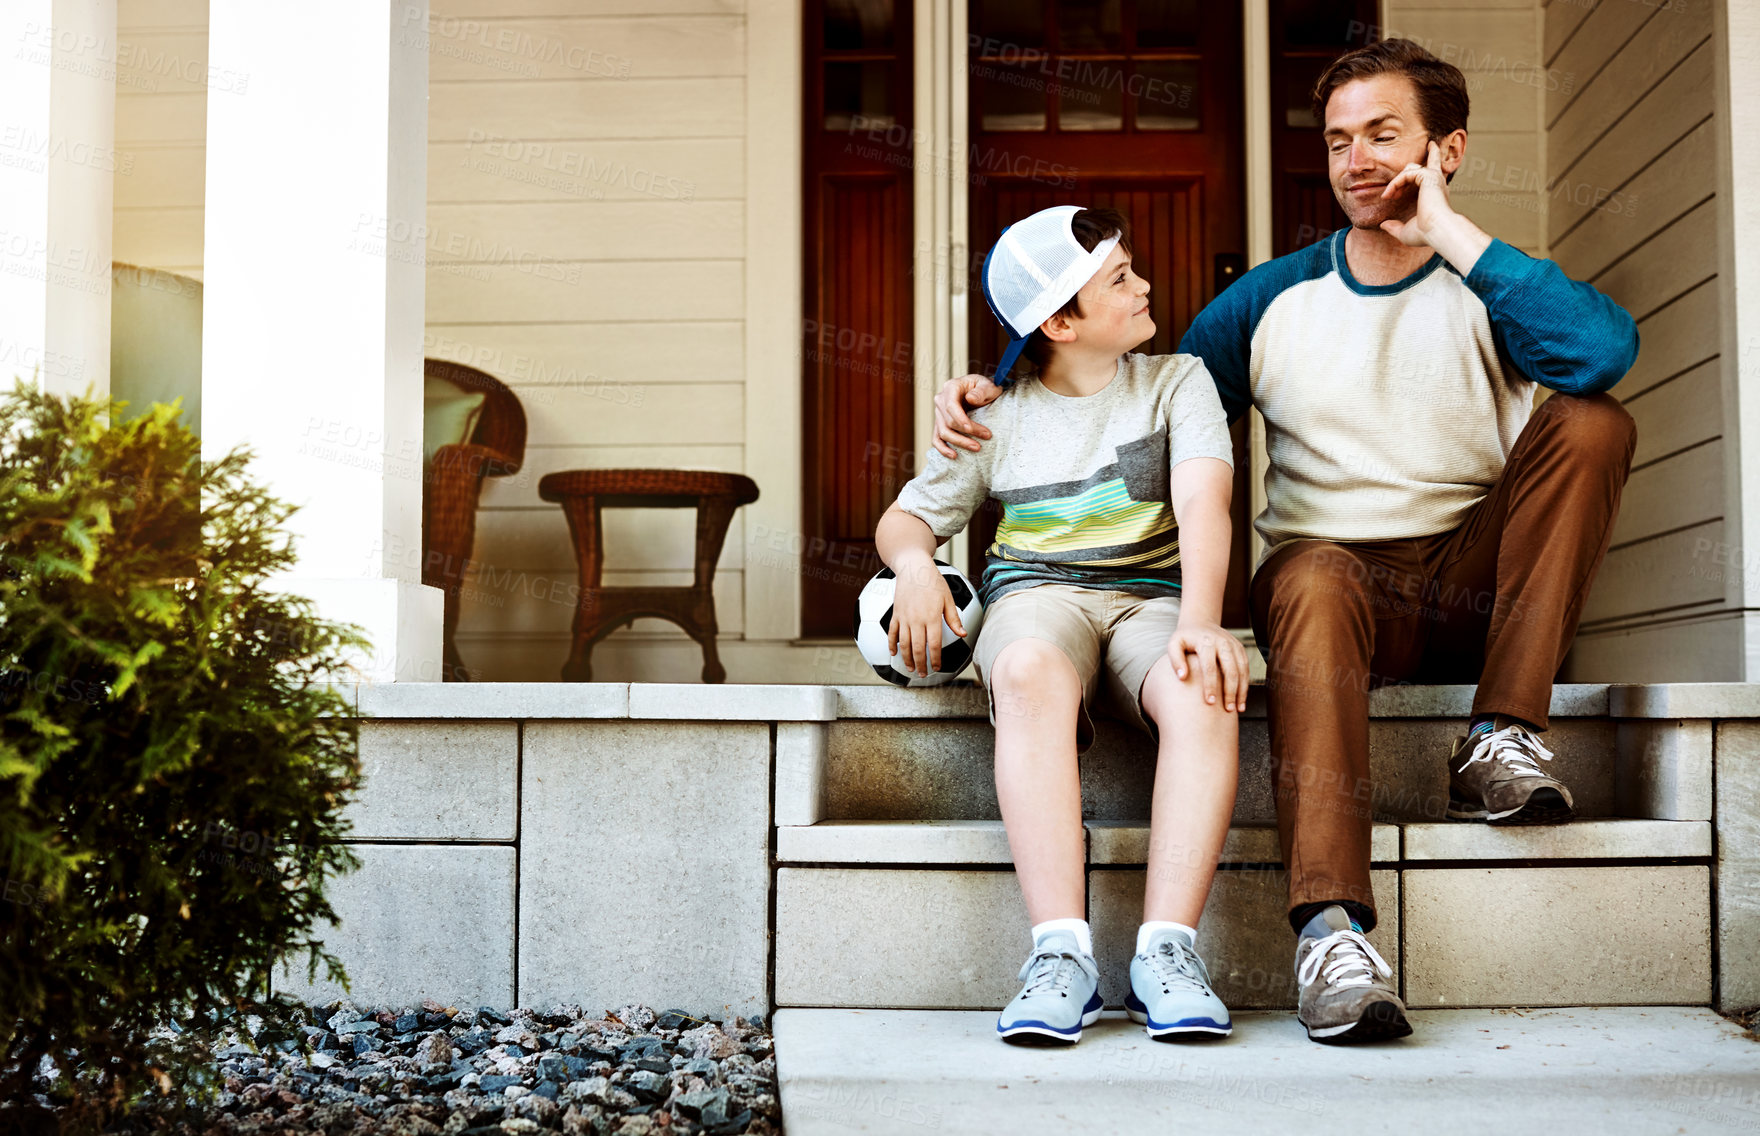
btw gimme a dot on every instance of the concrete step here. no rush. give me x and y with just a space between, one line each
1607 1070
929 755
929 914
1111 843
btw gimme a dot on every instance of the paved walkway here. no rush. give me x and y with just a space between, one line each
1602 1071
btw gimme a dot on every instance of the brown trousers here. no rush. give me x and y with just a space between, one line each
1496 601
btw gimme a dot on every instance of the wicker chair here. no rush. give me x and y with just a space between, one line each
454 481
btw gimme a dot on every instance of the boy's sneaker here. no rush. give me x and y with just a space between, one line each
1498 780
1170 991
1345 994
1061 995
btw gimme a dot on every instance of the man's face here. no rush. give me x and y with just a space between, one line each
1372 133
1114 305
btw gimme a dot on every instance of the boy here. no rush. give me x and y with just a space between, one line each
1114 471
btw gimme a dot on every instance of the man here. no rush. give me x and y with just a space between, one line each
1424 521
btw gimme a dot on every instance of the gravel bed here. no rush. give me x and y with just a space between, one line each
434 1070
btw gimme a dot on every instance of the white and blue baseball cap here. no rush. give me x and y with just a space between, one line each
1032 271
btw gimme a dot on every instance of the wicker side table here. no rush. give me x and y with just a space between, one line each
582 493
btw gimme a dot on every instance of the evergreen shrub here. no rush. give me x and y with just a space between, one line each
173 760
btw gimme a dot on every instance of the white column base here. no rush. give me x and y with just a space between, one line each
402 619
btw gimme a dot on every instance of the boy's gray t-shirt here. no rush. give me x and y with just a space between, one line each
1083 481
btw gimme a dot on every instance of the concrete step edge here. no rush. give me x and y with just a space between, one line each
1127 843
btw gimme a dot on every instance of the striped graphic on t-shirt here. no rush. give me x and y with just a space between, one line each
1114 528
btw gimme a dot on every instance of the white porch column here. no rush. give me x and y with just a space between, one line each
313 286
57 165
1737 57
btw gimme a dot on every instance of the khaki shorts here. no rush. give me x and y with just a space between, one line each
1112 638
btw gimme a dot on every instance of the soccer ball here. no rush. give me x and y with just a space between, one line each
874 621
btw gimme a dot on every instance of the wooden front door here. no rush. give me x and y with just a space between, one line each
1132 104
856 332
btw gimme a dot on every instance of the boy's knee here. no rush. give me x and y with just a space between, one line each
1033 666
1167 699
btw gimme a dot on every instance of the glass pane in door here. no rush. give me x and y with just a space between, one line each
1005 26
1092 97
858 25
858 94
1167 23
1009 98
1167 95
1089 25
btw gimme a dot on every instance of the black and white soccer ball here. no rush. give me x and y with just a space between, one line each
874 622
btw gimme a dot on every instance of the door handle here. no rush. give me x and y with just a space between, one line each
1230 266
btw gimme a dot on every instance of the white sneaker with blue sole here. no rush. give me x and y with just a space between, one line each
1170 991
1061 995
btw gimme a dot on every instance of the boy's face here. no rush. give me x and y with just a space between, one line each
1115 309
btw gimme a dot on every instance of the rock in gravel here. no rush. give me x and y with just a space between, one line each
591 1089
708 1041
473 1041
359 1025
693 1104
351 1070
434 1053
635 1018
343 1017
648 1085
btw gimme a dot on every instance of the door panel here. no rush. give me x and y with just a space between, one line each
856 330
1306 36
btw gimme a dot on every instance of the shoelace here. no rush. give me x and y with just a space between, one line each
1516 746
1051 971
1176 965
1352 961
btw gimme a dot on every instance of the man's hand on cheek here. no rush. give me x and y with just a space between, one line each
1434 223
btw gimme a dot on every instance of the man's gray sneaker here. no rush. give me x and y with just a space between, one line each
1498 779
1345 994
1061 995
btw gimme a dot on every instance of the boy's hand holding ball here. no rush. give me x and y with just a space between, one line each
920 602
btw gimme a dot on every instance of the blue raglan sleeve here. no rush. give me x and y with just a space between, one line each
1559 332
1222 336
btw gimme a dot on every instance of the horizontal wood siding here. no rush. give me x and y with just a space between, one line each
586 215
1496 44
586 237
1631 156
161 131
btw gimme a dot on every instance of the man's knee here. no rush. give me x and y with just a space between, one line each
1594 426
1313 578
